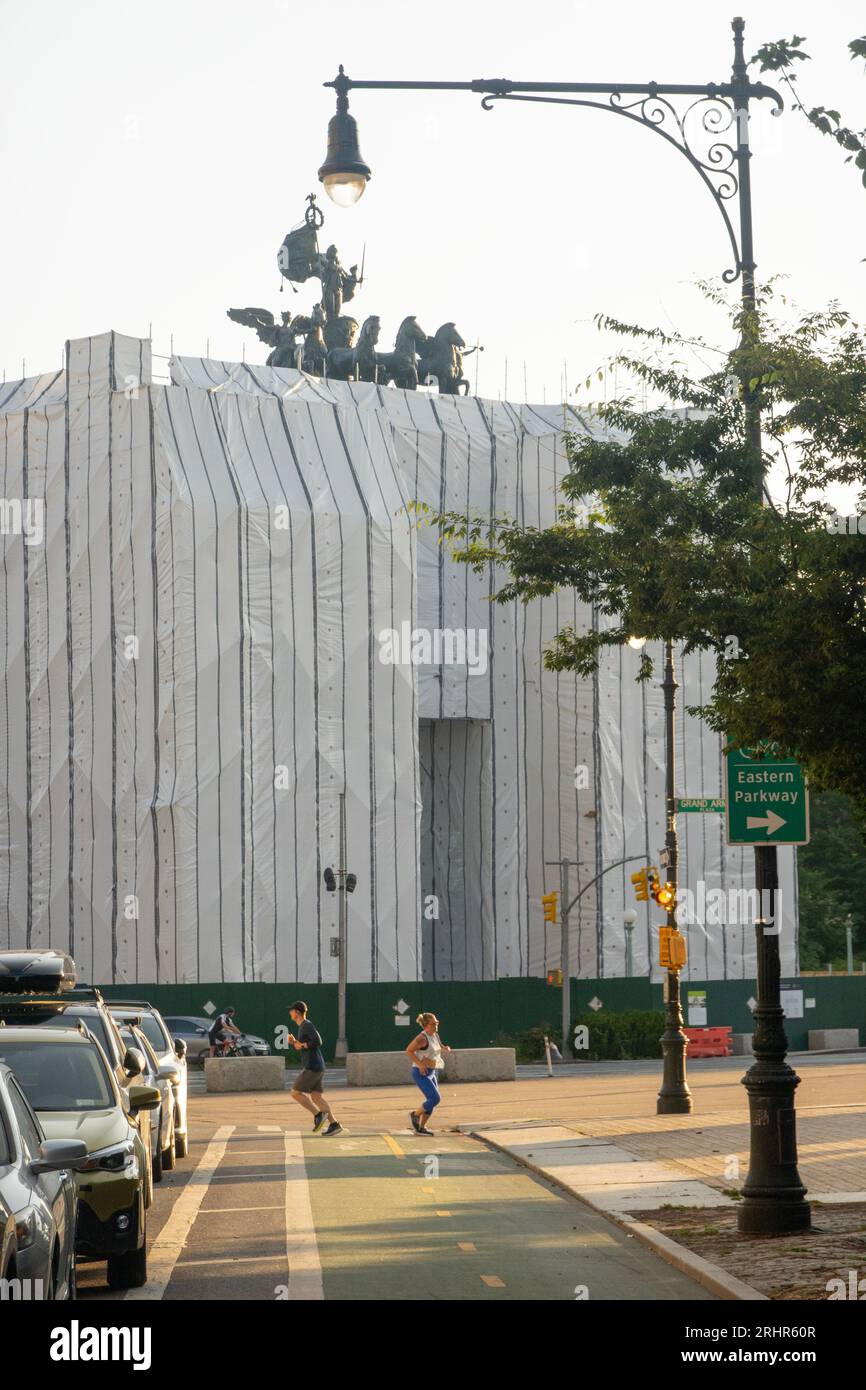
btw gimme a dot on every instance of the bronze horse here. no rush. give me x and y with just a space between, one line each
401 365
442 358
358 363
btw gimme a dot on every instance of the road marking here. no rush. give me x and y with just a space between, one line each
443 1213
272 1176
394 1146
428 1189
302 1251
468 1247
220 1211
269 1129
172 1238
228 1260
492 1281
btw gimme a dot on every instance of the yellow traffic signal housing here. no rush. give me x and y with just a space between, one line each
665 895
641 885
672 948
549 902
554 977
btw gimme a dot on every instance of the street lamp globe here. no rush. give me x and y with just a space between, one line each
344 172
629 917
636 643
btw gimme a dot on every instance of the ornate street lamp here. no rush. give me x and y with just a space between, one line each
344 172
773 1196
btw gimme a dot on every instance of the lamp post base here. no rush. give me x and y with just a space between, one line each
674 1097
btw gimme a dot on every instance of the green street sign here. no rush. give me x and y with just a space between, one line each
767 800
700 803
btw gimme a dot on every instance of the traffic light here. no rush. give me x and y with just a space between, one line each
554 977
665 895
641 885
330 880
351 882
672 948
549 902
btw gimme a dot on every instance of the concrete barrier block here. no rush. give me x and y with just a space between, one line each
820 1039
244 1073
378 1069
741 1044
465 1064
481 1064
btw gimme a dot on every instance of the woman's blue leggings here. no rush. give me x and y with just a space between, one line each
428 1084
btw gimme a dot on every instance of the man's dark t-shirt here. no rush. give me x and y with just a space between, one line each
312 1053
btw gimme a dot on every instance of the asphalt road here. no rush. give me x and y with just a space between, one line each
260 1210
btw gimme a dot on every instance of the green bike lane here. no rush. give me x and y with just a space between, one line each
402 1218
263 1211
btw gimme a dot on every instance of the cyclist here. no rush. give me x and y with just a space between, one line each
219 1031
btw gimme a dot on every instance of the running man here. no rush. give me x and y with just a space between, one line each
220 1029
307 1088
425 1053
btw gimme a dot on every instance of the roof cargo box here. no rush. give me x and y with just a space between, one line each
40 972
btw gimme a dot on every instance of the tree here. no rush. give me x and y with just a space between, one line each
832 879
676 544
780 57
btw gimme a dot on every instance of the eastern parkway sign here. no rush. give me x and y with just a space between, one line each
767 801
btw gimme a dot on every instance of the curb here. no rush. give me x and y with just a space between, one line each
708 1275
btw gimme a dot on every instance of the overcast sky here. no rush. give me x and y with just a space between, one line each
154 155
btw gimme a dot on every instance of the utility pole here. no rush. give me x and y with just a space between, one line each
342 1047
565 959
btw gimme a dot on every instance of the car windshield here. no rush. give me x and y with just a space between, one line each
154 1034
94 1022
59 1076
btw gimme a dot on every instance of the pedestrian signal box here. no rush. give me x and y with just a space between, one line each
554 977
641 885
672 948
549 902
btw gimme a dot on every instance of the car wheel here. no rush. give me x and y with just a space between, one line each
168 1154
156 1163
181 1145
128 1271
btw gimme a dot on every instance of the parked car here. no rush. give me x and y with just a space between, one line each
162 1150
65 1076
37 1199
170 1052
61 1010
194 1032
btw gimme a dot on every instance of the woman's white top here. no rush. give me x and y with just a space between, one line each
433 1051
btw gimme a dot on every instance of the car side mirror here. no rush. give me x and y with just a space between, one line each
168 1072
202 1032
56 1154
134 1063
179 1047
144 1098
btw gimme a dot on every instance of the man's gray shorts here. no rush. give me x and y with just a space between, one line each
307 1081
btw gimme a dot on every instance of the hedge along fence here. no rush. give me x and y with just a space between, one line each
620 1037
609 1037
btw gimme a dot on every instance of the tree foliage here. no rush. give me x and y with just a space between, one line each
660 525
780 57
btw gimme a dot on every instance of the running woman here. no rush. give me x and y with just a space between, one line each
307 1088
425 1053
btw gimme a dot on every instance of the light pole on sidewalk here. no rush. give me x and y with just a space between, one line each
342 883
724 167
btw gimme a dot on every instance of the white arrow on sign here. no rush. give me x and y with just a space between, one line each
771 821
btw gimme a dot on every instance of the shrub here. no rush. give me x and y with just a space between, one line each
621 1037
